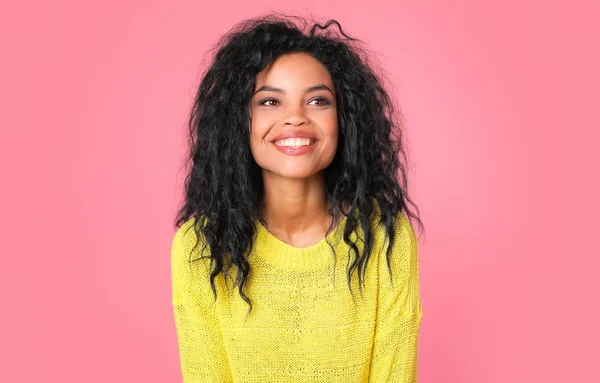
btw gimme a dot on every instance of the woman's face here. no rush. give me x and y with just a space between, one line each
294 104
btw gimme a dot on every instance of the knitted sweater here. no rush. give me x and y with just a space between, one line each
304 325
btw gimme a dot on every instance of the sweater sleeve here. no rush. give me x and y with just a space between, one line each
201 350
394 356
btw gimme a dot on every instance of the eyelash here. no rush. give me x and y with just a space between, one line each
322 99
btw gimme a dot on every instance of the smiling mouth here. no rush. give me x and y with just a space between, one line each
294 142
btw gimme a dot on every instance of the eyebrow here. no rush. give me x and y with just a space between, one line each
279 90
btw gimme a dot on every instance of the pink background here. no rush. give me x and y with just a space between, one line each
499 101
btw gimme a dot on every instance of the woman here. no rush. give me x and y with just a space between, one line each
293 168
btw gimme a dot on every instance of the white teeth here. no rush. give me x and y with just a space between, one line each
294 142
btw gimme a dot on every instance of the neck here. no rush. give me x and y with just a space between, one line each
295 205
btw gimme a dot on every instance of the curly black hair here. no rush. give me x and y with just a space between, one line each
224 187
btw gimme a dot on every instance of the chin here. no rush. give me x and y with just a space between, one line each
293 173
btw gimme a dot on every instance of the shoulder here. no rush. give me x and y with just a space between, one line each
183 236
401 222
190 265
403 257
405 234
187 245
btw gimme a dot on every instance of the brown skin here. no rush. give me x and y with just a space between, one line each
295 205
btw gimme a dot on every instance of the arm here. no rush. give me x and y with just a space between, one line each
394 357
201 350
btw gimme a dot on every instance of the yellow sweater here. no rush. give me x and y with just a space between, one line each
304 326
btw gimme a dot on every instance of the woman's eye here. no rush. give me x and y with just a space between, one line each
267 101
321 100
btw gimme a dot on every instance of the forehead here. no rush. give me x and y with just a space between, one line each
294 70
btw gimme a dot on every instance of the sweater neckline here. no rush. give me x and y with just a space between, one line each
283 255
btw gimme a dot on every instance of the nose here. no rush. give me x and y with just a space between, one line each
295 116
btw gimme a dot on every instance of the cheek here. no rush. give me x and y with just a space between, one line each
333 133
260 125
256 133
257 137
330 128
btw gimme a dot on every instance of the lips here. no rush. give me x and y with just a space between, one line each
293 151
295 134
